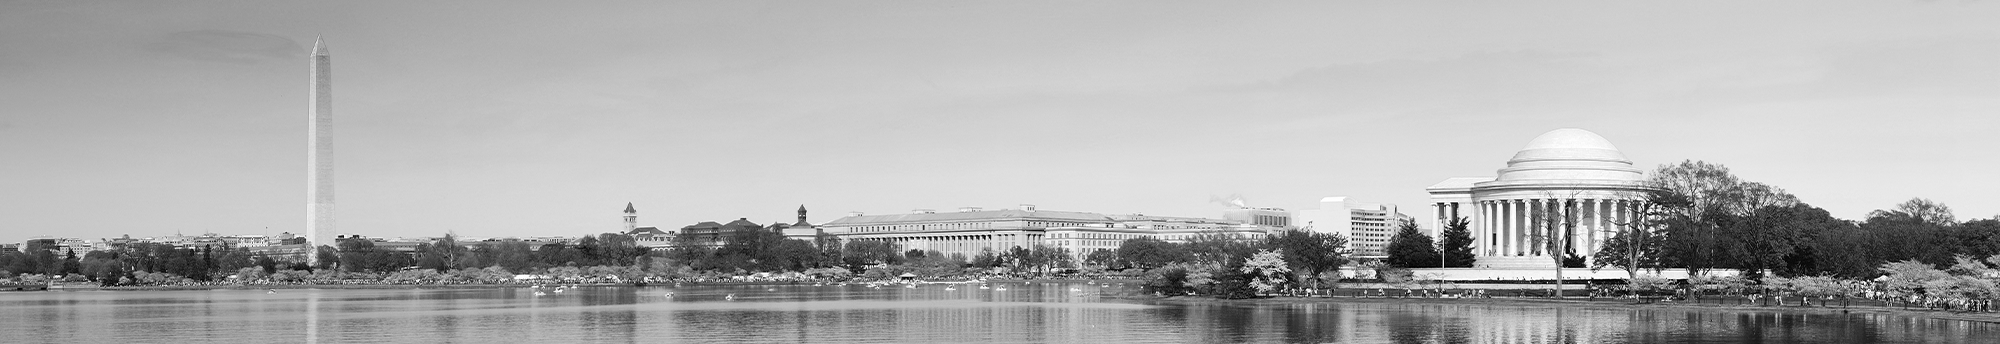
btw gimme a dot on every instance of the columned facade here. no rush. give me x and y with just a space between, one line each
1567 192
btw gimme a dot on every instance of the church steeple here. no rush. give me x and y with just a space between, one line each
802 217
631 218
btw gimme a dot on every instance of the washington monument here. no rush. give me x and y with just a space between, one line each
319 154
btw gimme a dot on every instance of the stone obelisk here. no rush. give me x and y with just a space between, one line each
319 154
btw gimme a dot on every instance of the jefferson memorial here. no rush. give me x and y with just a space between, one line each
1567 184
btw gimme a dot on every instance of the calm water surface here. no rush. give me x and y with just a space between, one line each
1039 312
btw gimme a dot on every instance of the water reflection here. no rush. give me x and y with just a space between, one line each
1037 312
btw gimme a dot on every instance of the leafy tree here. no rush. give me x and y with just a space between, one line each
69 262
755 249
1841 249
1771 237
860 253
358 254
795 255
1149 253
513 255
1616 251
1978 238
1018 257
829 247
1101 258
451 254
1695 200
1045 257
985 259
427 258
105 270
270 265
689 250
618 249
558 255
1220 248
1898 235
1308 252
1170 281
1457 243
328 257
589 251
47 262
1919 210
1411 248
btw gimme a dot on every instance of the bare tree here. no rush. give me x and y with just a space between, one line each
1711 188
1647 218
1554 227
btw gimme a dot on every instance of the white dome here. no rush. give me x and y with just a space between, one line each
1570 154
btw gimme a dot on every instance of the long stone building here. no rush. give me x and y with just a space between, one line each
971 230
1566 178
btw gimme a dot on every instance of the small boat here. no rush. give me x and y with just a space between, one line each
730 297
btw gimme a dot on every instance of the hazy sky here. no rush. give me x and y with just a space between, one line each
494 119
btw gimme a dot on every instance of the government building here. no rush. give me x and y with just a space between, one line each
1367 226
1566 178
971 229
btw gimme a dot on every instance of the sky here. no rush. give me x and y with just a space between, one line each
498 118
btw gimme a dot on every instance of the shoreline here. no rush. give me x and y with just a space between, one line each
1991 318
1607 303
301 286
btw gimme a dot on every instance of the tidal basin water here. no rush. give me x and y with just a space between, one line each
1024 312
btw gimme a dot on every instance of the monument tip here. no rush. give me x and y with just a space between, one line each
319 46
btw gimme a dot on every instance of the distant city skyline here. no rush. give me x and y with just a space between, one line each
497 119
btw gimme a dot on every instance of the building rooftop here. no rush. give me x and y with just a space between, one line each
1458 183
1005 214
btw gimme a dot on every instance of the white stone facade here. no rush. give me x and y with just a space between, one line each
1565 176
319 151
1367 226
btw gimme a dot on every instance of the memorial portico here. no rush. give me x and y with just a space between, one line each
1567 184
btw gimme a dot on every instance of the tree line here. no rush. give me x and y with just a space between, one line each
1701 217
1232 266
765 249
447 253
114 266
